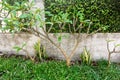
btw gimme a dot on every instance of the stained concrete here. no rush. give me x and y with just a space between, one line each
8 41
96 44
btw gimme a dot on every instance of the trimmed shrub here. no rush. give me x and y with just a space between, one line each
100 12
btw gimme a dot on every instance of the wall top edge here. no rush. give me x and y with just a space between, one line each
55 33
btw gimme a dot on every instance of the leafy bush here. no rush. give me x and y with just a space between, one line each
12 2
100 12
19 16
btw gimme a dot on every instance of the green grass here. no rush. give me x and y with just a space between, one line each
20 69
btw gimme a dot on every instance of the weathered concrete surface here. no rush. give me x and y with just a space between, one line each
8 41
96 44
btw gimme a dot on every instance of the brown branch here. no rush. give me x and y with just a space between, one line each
108 47
28 55
63 26
111 52
114 50
69 28
117 52
88 30
45 35
61 49
60 24
74 48
50 28
74 24
94 32
35 32
79 27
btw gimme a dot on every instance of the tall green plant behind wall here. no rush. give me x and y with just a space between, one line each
101 12
12 2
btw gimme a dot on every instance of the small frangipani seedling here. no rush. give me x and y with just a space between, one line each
19 48
110 52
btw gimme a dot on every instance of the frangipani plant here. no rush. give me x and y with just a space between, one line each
30 20
110 52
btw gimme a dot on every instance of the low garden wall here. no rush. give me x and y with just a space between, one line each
9 41
96 44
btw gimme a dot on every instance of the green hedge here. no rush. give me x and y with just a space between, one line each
12 2
100 12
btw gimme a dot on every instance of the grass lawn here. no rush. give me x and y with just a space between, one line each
21 69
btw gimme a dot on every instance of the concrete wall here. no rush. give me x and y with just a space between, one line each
8 41
96 44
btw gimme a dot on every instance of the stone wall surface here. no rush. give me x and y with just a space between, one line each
9 41
96 44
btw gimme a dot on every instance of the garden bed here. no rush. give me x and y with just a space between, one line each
13 68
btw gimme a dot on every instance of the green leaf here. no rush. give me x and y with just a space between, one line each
59 38
13 12
17 48
24 15
38 17
109 40
23 45
16 23
48 13
87 20
117 45
49 23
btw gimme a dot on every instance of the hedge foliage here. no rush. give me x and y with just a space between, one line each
100 12
12 2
